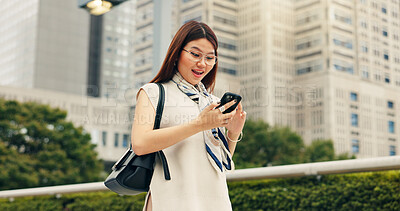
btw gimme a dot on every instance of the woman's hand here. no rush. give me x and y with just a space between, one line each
236 123
212 118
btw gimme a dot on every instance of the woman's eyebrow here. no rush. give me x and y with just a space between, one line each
212 52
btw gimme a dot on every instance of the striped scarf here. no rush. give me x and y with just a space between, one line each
215 142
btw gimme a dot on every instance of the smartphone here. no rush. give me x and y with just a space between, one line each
228 97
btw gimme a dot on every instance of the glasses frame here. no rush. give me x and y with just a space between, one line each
203 55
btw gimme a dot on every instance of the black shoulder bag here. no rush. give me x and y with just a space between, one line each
132 174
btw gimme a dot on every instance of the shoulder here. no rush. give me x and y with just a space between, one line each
153 91
149 87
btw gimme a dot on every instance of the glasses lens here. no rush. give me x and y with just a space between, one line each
196 55
208 59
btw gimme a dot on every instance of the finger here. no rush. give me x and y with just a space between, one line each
221 109
228 105
211 106
240 107
229 115
244 114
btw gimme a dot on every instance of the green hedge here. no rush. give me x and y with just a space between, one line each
361 191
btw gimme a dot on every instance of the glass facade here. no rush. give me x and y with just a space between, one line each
116 140
353 96
125 140
392 150
104 138
355 146
354 120
391 126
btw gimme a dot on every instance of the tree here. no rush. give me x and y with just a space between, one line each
263 145
319 150
322 150
42 148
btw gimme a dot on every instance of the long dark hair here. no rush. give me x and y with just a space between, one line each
190 31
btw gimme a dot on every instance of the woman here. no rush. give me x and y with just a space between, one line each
192 132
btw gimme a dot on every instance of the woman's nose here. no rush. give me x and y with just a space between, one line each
202 62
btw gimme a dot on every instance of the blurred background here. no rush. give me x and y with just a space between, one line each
324 69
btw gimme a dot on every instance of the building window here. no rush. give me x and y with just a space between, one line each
386 56
353 96
104 138
377 77
384 33
227 46
307 67
390 104
391 126
384 10
345 18
387 79
364 49
344 43
364 24
116 139
392 150
365 74
354 120
364 70
343 66
355 146
125 139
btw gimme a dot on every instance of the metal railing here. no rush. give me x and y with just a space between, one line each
296 170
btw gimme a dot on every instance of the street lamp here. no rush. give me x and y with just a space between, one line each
98 7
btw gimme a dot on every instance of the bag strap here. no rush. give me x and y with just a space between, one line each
159 112
160 106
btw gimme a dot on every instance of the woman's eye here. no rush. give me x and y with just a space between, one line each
209 57
195 54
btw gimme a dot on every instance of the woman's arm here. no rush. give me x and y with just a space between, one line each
235 127
146 140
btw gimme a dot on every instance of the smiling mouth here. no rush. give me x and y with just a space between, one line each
198 73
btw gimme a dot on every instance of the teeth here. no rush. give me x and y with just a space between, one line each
198 72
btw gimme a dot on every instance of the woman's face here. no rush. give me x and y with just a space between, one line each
191 70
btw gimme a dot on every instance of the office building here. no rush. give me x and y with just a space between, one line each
116 64
328 69
44 45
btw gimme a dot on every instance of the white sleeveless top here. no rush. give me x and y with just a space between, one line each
195 184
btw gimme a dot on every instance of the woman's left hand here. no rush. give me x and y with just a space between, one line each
236 123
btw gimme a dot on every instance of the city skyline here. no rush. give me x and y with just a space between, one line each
328 69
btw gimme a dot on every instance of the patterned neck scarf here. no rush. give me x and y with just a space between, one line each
215 142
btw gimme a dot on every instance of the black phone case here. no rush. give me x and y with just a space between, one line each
228 97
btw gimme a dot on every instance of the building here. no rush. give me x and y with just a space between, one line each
349 51
155 28
117 51
44 45
266 60
152 38
328 69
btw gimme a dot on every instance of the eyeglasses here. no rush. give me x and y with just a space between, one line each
197 56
